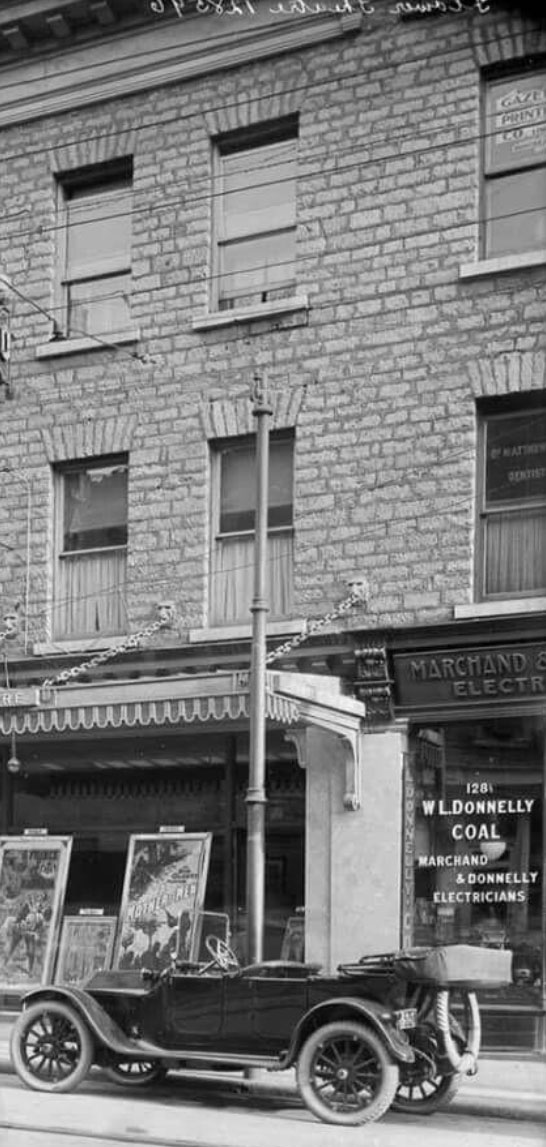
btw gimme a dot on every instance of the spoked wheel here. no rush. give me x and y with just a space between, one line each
345 1074
423 1093
51 1047
422 1088
135 1072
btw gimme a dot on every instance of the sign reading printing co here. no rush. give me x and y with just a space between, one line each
515 133
504 673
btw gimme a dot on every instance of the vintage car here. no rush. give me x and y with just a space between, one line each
379 1032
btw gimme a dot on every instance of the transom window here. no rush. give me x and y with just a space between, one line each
514 205
91 547
513 503
234 495
255 216
95 251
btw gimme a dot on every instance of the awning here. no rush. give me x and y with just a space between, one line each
292 699
145 703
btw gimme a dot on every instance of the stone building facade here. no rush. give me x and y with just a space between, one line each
391 291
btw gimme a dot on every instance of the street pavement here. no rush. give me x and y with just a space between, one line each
211 1110
182 1113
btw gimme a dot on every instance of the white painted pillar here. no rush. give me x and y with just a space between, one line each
353 858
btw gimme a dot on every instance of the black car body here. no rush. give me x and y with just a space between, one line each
258 1015
361 1039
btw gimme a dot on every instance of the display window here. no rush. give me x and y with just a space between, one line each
193 785
478 842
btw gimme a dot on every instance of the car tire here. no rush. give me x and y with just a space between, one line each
346 1075
426 1097
135 1072
51 1047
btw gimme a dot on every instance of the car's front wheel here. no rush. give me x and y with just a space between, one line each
51 1047
346 1075
135 1072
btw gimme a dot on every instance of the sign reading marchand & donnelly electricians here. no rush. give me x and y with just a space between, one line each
471 828
471 676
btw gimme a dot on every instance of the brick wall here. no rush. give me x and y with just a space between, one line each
380 377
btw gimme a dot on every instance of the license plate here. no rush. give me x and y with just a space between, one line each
406 1018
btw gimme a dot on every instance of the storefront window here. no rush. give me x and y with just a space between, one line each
478 843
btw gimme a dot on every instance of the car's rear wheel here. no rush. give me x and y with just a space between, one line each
423 1096
51 1047
423 1088
346 1075
135 1072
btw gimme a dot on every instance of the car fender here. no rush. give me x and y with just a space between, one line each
104 1029
350 1007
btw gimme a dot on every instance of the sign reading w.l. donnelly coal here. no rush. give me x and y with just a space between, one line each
504 673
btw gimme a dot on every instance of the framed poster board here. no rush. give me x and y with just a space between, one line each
163 892
33 875
85 947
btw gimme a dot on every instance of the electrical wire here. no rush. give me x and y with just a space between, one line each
140 357
48 314
238 331
364 534
180 117
184 202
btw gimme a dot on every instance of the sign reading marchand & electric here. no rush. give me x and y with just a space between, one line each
447 677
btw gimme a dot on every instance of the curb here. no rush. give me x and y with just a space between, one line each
482 1102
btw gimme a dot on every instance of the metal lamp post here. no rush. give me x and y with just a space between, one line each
255 797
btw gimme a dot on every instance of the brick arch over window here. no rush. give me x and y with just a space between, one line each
249 113
514 40
90 439
93 152
508 374
231 417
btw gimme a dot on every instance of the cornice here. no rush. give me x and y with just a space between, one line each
39 90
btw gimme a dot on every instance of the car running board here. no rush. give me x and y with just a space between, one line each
229 1059
185 1055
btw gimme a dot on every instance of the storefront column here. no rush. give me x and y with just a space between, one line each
353 856
6 796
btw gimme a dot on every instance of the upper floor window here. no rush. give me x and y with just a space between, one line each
233 515
513 503
255 216
90 547
514 205
95 250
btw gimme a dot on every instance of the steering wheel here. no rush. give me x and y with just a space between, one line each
222 955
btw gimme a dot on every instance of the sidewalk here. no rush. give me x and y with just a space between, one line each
503 1088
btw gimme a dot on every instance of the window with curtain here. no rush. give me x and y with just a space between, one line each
234 495
255 216
514 200
513 503
95 251
91 548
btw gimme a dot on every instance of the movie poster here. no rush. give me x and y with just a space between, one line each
163 892
85 947
33 874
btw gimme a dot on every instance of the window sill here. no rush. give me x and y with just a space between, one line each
502 264
247 314
501 608
244 631
58 347
89 645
